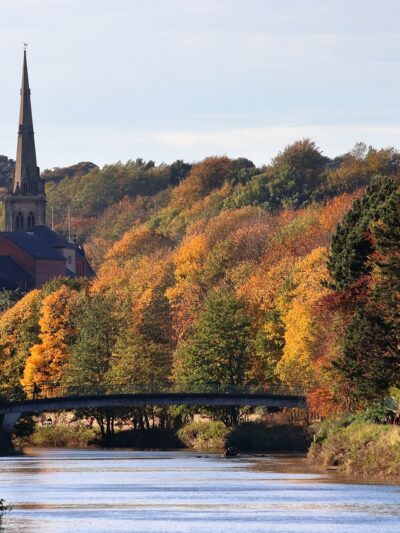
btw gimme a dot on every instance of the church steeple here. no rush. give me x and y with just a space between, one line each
26 178
26 201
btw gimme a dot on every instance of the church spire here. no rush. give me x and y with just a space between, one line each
25 202
26 179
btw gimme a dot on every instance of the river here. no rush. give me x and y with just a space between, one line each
78 491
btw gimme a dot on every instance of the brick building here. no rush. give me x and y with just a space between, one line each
30 252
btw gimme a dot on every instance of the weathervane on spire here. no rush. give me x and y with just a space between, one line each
25 47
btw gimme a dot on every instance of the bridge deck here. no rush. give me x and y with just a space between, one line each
141 399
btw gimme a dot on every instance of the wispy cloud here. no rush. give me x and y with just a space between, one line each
258 144
186 78
264 143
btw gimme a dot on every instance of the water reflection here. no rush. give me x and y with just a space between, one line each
119 491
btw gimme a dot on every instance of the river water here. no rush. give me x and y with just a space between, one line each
78 491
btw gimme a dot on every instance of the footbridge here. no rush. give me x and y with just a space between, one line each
47 397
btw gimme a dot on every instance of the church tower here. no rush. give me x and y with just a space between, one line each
25 202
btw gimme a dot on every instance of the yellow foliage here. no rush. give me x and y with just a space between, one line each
22 311
300 319
188 261
17 334
266 287
46 360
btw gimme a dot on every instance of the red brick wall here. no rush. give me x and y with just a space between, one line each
18 254
42 270
47 269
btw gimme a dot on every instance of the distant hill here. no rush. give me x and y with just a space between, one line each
59 173
105 202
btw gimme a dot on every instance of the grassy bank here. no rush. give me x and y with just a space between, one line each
359 448
81 436
61 436
204 434
247 437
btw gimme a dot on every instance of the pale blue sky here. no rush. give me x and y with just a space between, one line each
169 79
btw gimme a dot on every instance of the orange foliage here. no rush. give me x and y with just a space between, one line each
204 177
137 242
17 334
46 360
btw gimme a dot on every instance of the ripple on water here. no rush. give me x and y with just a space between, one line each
74 491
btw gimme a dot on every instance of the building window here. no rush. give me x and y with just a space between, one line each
31 220
25 188
19 222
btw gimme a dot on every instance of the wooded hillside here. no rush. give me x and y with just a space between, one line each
222 272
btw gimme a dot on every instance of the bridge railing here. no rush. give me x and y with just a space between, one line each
60 390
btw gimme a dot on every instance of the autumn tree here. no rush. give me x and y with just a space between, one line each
300 319
269 342
290 180
141 359
8 298
19 331
88 362
358 168
142 356
95 336
47 360
216 357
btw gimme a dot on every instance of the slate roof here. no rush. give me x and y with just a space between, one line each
12 275
33 245
51 237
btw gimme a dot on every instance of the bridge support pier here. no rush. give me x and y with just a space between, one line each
9 422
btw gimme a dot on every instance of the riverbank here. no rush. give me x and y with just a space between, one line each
204 435
246 437
358 448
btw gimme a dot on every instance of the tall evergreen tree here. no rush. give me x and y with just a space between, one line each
371 356
371 347
352 244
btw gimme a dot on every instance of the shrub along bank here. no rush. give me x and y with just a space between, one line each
61 436
358 447
203 434
247 437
